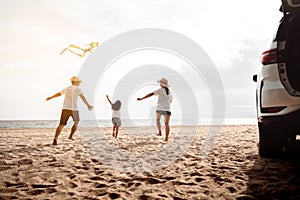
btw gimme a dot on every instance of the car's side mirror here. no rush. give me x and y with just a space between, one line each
254 78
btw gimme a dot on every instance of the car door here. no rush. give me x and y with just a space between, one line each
288 41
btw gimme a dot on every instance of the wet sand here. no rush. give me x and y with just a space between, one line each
32 168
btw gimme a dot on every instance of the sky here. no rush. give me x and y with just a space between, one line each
233 33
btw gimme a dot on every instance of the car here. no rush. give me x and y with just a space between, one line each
278 86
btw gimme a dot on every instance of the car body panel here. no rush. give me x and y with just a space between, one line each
272 93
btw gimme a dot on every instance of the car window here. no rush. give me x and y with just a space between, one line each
291 6
294 3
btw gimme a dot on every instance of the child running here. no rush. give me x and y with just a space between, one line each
116 116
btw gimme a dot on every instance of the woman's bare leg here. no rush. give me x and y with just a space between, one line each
158 116
167 119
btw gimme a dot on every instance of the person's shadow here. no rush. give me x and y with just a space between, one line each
271 179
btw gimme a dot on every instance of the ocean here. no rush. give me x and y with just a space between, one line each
26 124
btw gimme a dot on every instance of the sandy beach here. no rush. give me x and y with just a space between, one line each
32 168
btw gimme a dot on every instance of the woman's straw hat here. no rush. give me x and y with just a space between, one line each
163 82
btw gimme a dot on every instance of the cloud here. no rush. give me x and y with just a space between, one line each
237 72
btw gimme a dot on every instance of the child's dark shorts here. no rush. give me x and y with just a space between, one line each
116 121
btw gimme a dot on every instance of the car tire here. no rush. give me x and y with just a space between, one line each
270 140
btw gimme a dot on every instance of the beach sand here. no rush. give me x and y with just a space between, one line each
32 168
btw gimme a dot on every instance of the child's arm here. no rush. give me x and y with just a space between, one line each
108 99
54 96
145 97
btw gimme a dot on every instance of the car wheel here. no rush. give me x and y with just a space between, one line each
270 140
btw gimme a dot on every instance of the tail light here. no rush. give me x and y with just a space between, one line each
269 57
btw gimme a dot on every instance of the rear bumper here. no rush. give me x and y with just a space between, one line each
289 122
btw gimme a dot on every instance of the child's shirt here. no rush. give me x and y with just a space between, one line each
116 113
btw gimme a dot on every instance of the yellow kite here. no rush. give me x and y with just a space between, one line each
84 50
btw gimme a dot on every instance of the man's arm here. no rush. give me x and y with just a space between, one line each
54 96
86 102
145 97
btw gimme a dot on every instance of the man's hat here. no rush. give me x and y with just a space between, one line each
75 79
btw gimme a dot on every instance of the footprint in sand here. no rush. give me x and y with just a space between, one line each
101 185
72 185
114 195
36 192
25 162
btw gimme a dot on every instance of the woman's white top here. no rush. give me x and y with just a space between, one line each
164 100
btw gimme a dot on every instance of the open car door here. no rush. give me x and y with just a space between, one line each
291 6
289 53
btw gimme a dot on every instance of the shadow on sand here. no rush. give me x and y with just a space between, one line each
272 179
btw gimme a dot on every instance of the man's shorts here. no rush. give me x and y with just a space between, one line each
116 121
163 112
65 114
